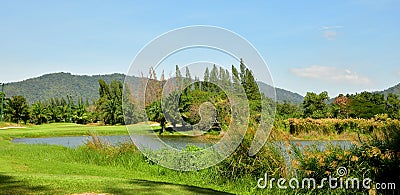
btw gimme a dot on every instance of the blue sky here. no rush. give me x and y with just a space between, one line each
338 46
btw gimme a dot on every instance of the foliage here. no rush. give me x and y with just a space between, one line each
393 106
287 110
338 126
377 158
155 113
239 164
315 105
366 105
39 113
341 106
110 102
17 109
107 108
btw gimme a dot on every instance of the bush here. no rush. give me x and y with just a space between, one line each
338 126
268 160
377 157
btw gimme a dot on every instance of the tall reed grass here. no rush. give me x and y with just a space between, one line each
337 126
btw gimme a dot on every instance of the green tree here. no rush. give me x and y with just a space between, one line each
367 105
250 86
155 113
315 105
242 71
206 79
393 106
63 110
235 79
131 111
18 109
214 78
197 83
104 89
178 78
171 108
110 102
287 110
53 111
80 114
39 113
188 77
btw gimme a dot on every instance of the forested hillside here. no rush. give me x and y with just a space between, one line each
63 84
60 85
395 90
281 94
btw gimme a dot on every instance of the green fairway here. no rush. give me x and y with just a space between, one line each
61 129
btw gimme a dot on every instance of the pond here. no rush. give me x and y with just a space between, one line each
72 141
178 142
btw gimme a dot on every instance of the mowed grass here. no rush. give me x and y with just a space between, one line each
50 169
61 129
45 169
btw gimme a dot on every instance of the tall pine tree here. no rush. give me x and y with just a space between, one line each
206 79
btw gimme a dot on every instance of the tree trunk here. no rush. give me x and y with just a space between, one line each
162 124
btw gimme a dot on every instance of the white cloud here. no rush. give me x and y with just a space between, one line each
331 27
330 32
331 74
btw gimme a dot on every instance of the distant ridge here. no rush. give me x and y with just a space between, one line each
395 90
59 85
62 84
281 94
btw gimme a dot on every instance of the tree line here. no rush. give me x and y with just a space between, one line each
106 109
360 105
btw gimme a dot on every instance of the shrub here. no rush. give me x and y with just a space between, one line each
377 157
268 160
338 126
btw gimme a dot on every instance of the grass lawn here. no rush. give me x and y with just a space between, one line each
44 169
49 169
61 129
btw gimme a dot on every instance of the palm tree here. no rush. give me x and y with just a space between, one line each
53 113
80 114
18 108
63 112
39 113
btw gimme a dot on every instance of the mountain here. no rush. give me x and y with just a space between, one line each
62 84
59 85
281 94
395 90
